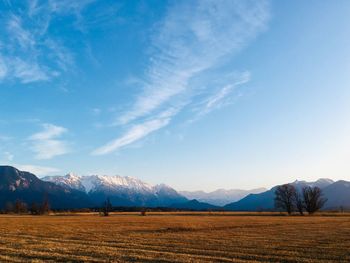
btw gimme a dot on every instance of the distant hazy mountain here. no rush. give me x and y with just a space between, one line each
220 197
122 191
337 194
15 184
254 202
195 205
321 183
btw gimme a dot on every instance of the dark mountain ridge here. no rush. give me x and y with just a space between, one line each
25 186
195 205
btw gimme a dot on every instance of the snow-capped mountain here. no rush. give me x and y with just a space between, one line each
220 197
70 180
121 190
91 183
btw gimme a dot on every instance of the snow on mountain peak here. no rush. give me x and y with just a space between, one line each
321 183
72 175
71 180
94 182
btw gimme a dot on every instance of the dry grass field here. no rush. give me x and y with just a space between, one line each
175 238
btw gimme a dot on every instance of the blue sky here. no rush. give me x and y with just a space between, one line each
194 94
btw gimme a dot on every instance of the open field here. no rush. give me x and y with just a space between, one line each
177 237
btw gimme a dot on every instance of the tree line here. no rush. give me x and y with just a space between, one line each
290 199
20 207
287 198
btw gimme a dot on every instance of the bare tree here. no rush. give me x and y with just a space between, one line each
35 209
299 202
284 197
20 207
143 212
313 199
45 206
107 207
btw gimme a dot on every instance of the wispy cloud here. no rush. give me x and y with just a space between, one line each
137 132
19 54
222 96
194 39
28 71
19 35
49 131
29 52
63 56
67 6
3 68
36 169
214 31
46 144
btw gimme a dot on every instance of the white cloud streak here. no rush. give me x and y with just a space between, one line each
46 144
28 71
64 58
19 35
194 39
36 169
49 131
19 54
29 53
137 132
220 97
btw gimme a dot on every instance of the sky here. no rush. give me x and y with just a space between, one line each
198 95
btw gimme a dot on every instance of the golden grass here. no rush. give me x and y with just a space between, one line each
176 237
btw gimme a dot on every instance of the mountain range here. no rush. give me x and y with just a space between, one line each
220 197
336 193
122 191
74 191
15 184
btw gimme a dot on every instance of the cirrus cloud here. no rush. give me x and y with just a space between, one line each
47 143
193 41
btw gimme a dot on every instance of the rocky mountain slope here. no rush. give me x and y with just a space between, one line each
15 184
